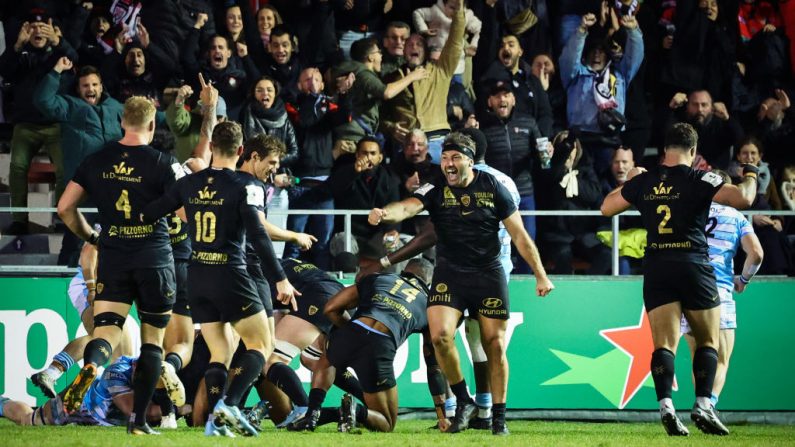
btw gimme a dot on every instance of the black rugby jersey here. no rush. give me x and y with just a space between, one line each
121 180
222 210
398 302
180 239
251 254
307 276
674 206
467 220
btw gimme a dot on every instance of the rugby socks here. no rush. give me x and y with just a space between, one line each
361 413
347 382
98 351
214 381
281 375
162 400
147 373
60 364
244 372
662 371
461 392
483 401
705 362
316 398
328 416
175 360
499 413
714 399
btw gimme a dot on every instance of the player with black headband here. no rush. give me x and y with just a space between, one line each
466 210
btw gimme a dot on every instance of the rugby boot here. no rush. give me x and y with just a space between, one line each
347 421
480 423
499 428
296 413
214 430
673 426
258 413
73 397
135 429
174 386
231 416
707 421
306 423
169 422
464 412
45 383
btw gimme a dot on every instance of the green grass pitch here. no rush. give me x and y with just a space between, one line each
410 433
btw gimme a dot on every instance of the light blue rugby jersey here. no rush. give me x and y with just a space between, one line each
505 238
116 379
725 227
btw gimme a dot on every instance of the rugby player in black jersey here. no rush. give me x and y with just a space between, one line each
298 330
135 260
224 210
389 308
677 278
466 209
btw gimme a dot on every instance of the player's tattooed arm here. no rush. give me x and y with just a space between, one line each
336 306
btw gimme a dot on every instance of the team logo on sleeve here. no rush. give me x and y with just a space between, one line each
313 310
100 288
441 287
712 178
422 190
178 171
255 196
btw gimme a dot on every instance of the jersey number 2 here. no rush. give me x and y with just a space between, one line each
205 226
662 229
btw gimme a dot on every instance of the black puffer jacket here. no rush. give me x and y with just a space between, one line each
256 119
512 147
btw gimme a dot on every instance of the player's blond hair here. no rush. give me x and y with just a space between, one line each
138 112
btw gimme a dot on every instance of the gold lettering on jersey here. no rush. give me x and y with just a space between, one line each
178 238
130 231
206 194
210 257
394 305
206 200
304 267
449 198
484 199
121 169
662 190
493 312
465 199
667 245
440 298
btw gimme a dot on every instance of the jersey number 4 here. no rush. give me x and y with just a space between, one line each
123 204
666 212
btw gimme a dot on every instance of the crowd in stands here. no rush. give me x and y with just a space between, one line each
570 94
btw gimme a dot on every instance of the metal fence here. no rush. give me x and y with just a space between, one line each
347 228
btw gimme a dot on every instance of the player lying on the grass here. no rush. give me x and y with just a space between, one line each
389 308
727 230
108 401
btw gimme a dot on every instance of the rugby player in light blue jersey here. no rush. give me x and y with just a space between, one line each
727 230
108 402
